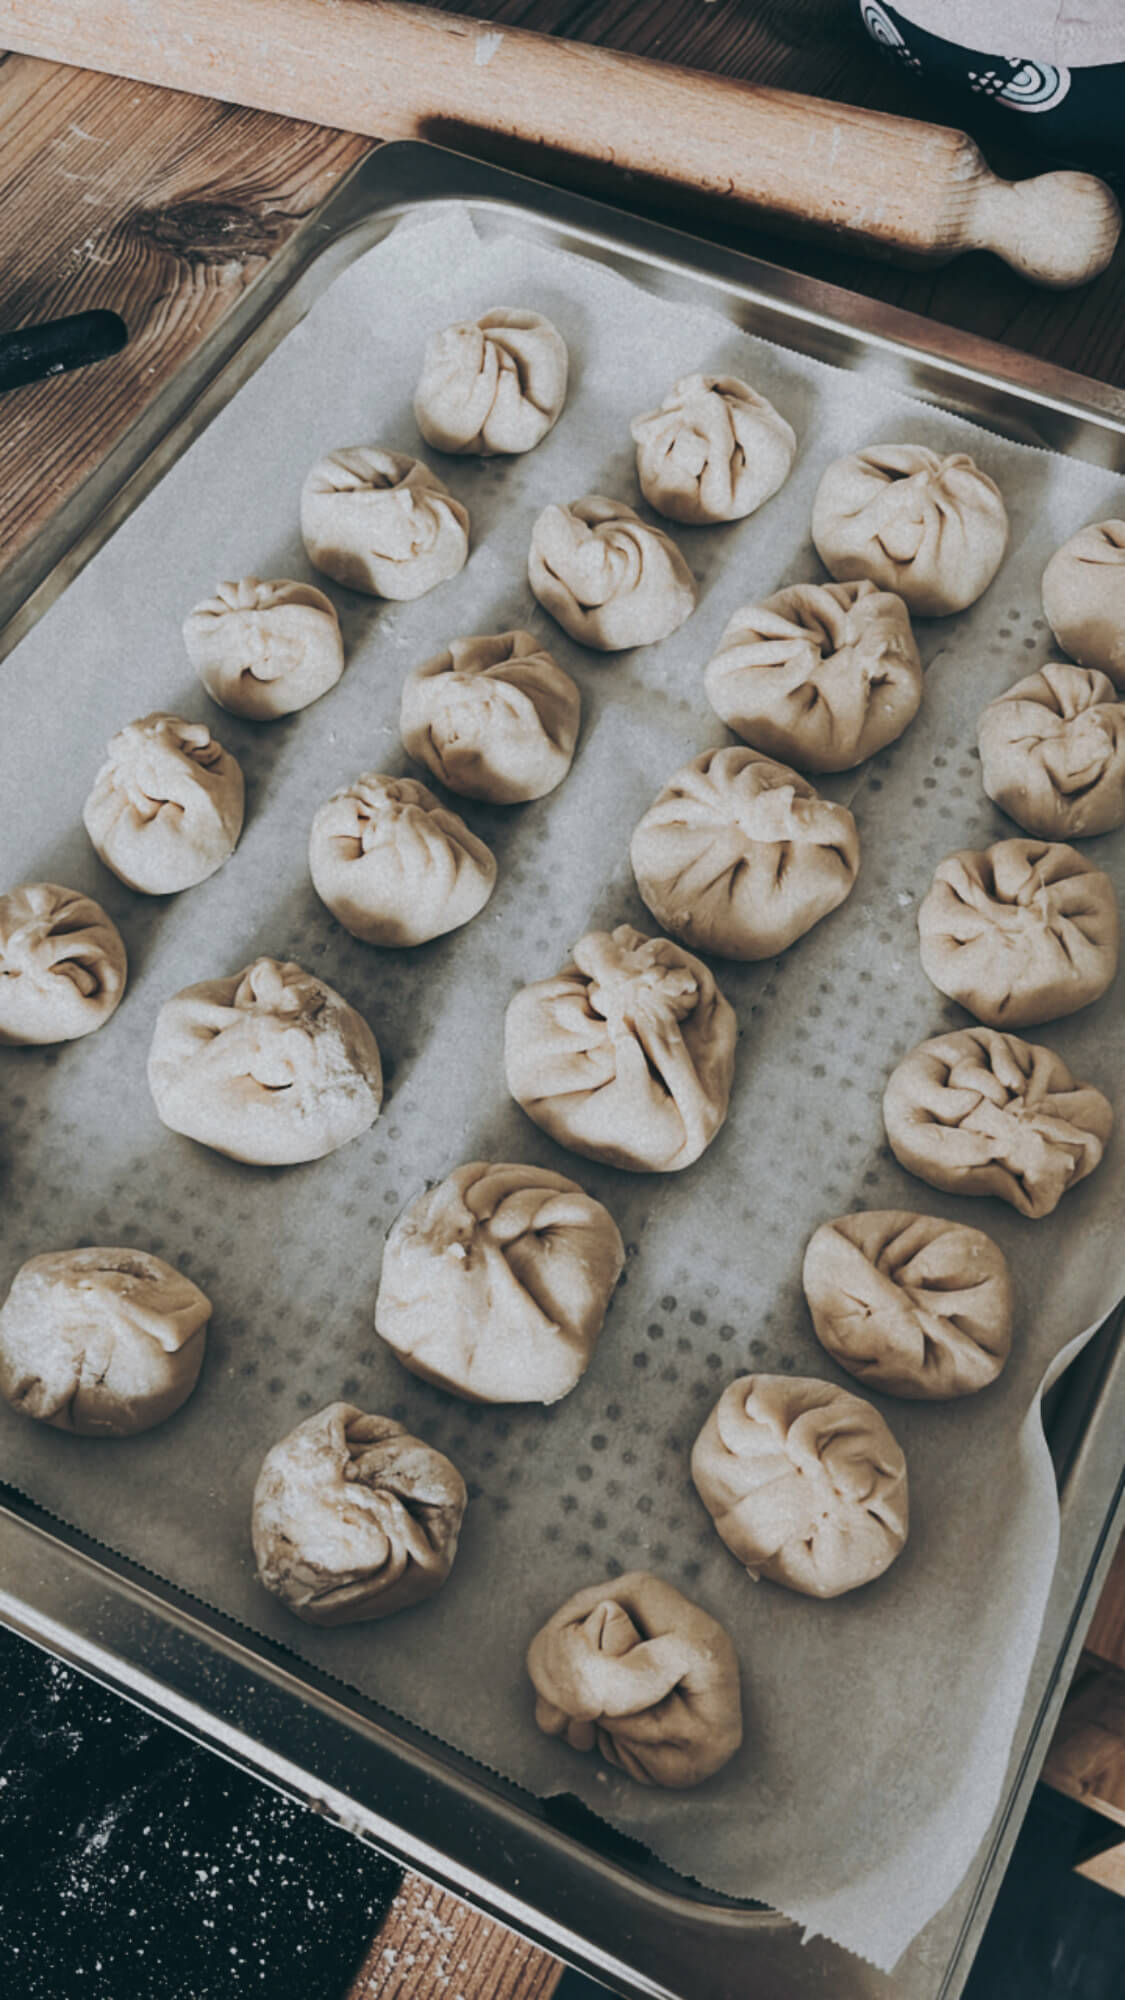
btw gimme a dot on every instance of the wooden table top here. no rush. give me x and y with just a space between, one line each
167 208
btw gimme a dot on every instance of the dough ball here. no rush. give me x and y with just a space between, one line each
354 1518
1084 597
626 1055
933 529
804 1482
1019 933
609 579
713 451
269 1066
1052 752
983 1113
910 1304
394 866
382 522
821 675
166 808
265 649
62 965
104 1343
636 1670
493 718
496 1282
495 384
739 855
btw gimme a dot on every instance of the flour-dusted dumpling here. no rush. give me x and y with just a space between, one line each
495 1283
269 1066
627 1054
265 649
394 866
910 1304
804 1482
354 1518
1052 753
493 718
713 451
933 529
608 578
382 522
1084 597
634 1669
493 384
984 1113
1019 933
166 808
821 675
740 856
101 1342
62 965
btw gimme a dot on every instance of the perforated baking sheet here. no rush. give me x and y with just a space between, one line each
878 1726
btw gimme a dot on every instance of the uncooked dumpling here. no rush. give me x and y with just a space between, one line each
1052 753
493 718
984 1113
933 529
1020 933
354 1518
804 1482
1084 597
166 808
382 522
62 965
394 866
713 451
740 856
496 1282
634 1669
910 1304
609 579
265 649
821 675
269 1066
627 1054
102 1342
493 384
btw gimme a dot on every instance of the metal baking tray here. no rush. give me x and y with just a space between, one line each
550 1868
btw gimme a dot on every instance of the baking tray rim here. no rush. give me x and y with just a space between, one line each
50 1561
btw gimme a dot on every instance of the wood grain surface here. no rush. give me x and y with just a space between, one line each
432 1947
1106 1636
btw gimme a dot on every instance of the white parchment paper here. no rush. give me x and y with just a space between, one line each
877 1726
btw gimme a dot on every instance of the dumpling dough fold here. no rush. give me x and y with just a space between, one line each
910 1304
1084 597
495 1284
493 384
933 529
265 649
627 1054
606 576
1019 933
740 856
493 718
102 1342
62 965
354 1518
166 808
270 1066
821 675
382 522
394 866
1052 752
713 451
634 1669
804 1482
985 1113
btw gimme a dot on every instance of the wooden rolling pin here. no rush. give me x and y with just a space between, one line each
889 185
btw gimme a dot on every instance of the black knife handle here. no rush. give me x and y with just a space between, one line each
59 344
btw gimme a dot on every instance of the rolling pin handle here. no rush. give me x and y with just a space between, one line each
1060 229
